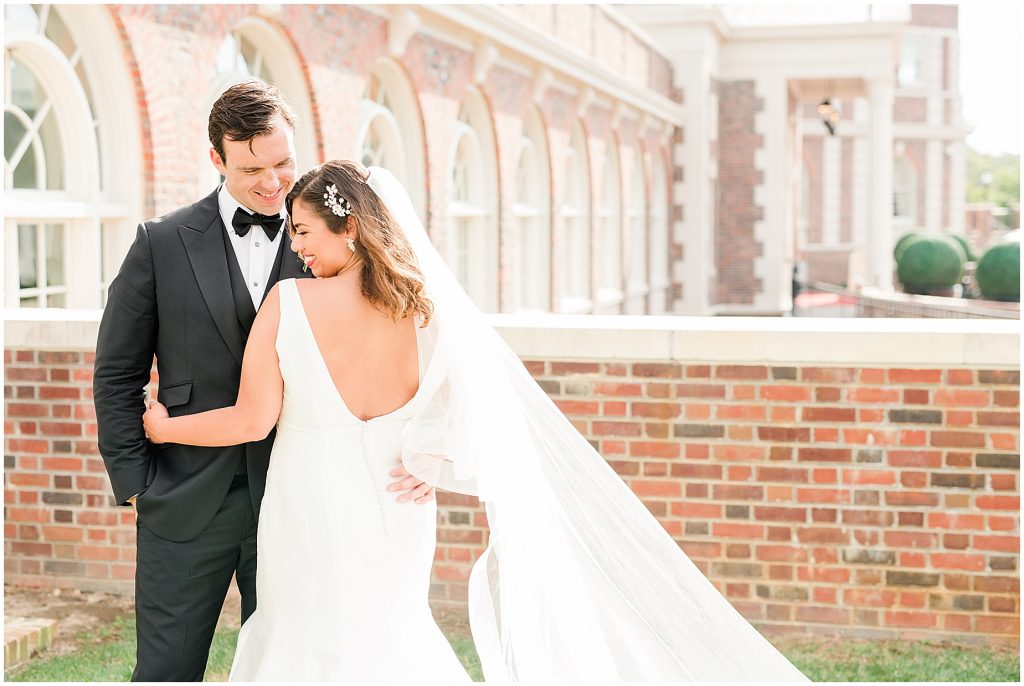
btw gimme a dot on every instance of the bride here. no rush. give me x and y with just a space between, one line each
384 356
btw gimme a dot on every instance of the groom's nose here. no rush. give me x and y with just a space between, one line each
269 179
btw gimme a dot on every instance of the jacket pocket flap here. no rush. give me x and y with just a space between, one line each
178 394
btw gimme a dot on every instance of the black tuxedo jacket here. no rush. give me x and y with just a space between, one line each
173 297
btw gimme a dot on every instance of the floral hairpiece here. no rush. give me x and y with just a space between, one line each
339 205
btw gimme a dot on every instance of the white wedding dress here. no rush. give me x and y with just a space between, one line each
343 569
579 582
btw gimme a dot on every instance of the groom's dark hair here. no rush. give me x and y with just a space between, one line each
244 111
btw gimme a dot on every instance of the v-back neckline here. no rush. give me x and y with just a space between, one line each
330 379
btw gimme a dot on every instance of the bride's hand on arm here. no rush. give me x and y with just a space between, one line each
260 393
152 421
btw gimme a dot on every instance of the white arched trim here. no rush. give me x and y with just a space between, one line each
403 122
609 218
473 214
576 217
97 220
277 52
532 214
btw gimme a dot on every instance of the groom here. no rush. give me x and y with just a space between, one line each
188 292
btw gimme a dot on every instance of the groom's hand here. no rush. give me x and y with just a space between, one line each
417 491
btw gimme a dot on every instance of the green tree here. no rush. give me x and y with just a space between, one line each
993 178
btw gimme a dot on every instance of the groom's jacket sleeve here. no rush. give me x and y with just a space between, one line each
124 357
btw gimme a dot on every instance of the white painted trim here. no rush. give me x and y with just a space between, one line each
632 27
408 118
914 343
782 34
493 24
910 130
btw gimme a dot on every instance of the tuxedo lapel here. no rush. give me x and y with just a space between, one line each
205 248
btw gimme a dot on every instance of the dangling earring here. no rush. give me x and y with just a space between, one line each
351 243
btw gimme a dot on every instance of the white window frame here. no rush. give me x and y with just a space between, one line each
637 285
532 220
105 190
904 186
910 72
394 115
476 215
575 215
659 261
609 220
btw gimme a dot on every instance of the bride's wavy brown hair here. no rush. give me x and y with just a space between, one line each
391 279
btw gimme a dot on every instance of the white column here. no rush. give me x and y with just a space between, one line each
771 231
879 260
695 67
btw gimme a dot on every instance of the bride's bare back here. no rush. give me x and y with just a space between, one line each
372 360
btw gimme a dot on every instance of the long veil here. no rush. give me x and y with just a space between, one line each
579 581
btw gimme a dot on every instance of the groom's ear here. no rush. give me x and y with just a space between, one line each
218 162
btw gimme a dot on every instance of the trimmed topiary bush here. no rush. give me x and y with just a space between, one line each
968 253
930 263
901 245
998 272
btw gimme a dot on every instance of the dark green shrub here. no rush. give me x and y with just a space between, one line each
930 263
968 253
901 245
998 272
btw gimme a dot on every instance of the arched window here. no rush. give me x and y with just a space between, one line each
255 48
904 191
56 61
658 246
472 205
532 220
576 298
390 133
609 218
636 216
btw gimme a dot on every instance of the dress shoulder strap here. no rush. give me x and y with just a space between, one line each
290 304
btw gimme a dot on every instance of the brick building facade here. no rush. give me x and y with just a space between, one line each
479 110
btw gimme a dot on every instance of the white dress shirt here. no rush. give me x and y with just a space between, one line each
255 252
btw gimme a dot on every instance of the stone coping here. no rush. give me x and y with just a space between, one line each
744 340
25 637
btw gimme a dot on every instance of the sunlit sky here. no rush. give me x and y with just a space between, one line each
991 75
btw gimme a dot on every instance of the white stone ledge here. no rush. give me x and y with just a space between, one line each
737 340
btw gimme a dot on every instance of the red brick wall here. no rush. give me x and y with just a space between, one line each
910 109
861 501
941 16
735 209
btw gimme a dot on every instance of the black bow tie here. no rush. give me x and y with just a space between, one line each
243 221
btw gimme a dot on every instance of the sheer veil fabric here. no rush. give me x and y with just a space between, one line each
579 581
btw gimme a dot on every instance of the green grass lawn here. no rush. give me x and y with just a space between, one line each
109 655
